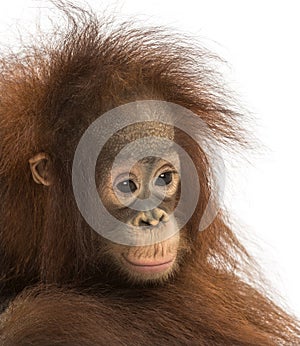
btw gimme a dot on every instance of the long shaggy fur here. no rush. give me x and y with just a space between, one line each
54 290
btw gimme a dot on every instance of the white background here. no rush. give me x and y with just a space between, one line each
260 41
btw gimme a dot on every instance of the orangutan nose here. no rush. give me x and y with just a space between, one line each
150 217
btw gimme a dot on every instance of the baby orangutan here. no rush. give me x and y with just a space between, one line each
100 242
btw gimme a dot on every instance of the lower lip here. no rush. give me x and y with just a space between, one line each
151 268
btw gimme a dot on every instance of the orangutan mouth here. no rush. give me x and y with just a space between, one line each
150 266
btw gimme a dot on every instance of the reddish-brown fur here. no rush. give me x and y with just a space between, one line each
51 276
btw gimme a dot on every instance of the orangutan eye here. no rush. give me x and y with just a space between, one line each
164 179
126 186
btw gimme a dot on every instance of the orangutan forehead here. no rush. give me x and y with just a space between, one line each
151 131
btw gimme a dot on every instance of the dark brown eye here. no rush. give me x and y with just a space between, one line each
164 179
126 186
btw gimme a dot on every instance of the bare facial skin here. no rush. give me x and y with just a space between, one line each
154 176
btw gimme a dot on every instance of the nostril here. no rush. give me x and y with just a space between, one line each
149 222
164 217
144 223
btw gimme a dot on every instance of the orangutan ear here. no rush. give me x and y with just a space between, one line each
40 169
